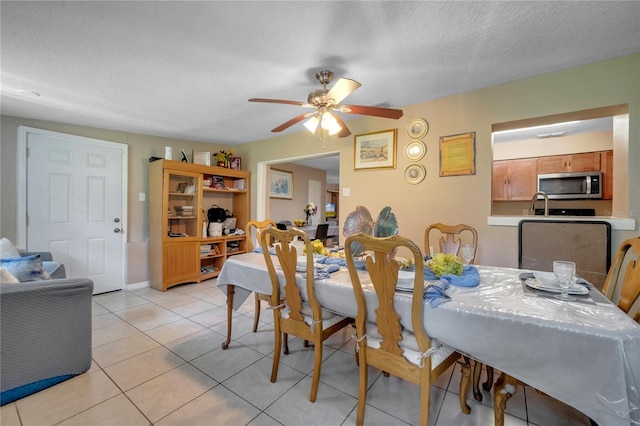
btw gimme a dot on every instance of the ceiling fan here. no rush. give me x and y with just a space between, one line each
325 102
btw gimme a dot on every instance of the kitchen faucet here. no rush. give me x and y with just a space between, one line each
546 202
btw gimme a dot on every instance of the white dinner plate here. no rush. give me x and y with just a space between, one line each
554 287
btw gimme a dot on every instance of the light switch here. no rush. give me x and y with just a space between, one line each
346 192
141 196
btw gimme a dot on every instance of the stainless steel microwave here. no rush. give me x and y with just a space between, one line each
572 185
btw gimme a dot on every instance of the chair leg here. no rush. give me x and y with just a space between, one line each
276 353
477 371
286 344
362 391
464 385
256 315
487 385
504 389
425 397
317 365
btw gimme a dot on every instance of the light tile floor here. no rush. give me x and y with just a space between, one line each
157 359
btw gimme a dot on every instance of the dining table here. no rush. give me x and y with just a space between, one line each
333 231
585 353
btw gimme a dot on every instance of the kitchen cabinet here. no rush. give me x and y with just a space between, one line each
514 180
180 250
582 162
606 167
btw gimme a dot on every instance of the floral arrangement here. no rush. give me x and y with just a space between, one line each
224 158
444 264
317 247
310 209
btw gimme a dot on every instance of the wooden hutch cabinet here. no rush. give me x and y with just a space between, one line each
180 250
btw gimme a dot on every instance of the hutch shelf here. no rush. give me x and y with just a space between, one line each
180 249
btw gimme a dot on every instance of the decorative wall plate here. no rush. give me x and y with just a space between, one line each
415 150
415 173
417 128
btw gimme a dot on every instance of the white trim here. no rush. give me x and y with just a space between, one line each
21 202
137 286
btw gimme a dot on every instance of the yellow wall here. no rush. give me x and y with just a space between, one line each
448 199
467 199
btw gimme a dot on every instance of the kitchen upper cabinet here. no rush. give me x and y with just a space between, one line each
606 163
514 180
583 162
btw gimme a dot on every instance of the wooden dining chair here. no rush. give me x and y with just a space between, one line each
383 342
622 285
254 227
297 311
450 242
450 239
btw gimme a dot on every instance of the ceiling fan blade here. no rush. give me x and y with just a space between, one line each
369 110
345 130
291 122
343 88
280 101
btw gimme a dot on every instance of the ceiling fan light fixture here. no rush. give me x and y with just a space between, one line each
312 124
329 123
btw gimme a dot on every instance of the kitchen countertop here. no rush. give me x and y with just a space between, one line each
617 223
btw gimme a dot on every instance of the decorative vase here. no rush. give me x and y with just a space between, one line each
308 219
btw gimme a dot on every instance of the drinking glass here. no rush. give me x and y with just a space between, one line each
467 251
565 274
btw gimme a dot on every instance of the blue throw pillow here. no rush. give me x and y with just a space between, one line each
28 268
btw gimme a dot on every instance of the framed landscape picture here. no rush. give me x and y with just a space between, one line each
375 150
281 184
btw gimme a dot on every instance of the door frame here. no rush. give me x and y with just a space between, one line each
262 168
21 202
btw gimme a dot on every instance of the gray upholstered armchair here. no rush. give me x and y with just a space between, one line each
45 331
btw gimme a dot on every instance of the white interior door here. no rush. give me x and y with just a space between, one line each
75 205
315 196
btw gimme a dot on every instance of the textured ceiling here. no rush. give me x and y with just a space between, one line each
186 69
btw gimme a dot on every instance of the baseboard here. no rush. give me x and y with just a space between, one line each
137 286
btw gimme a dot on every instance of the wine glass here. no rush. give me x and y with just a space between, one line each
565 274
467 252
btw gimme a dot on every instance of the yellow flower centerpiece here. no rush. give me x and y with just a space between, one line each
444 264
317 247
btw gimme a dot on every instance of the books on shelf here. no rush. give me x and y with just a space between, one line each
184 210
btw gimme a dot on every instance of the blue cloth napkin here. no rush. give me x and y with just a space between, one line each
322 272
435 293
272 251
470 277
326 260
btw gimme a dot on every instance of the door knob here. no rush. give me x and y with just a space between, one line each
117 230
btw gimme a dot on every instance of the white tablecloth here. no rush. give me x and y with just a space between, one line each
586 355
